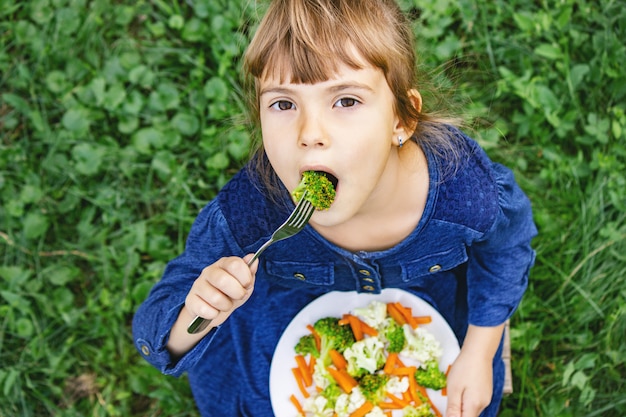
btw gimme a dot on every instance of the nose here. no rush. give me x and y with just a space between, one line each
312 133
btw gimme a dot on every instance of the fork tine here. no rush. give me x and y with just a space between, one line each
300 211
303 214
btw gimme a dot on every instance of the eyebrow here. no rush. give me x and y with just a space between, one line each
333 88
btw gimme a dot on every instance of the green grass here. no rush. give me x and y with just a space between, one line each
118 121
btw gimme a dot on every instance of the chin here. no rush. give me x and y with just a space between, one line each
326 218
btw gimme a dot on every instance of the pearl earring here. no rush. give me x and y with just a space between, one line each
400 141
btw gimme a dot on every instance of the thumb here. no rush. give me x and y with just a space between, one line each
255 264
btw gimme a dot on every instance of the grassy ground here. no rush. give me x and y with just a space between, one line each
117 125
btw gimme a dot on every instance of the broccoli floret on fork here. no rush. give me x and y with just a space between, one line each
320 189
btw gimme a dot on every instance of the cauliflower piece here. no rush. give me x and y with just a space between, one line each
421 345
321 377
341 405
397 386
373 315
367 354
348 403
317 406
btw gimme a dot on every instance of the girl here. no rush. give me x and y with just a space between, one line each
419 206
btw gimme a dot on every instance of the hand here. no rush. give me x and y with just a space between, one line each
470 385
221 288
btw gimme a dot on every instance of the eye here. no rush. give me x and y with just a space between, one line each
346 102
283 105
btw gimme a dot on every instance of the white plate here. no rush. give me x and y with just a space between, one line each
335 304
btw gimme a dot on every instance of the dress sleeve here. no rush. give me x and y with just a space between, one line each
499 262
209 239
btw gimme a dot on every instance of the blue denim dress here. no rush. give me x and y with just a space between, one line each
469 257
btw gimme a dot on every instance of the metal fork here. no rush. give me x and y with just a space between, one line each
295 222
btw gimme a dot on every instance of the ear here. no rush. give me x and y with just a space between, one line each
406 131
416 98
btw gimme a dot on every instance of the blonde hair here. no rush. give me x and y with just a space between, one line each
307 40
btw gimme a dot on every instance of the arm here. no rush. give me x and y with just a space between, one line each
470 382
164 314
497 277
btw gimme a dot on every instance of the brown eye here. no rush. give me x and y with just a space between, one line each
346 102
283 105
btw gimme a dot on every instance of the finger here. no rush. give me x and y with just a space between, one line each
454 404
239 269
198 306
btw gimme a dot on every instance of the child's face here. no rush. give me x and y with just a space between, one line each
345 126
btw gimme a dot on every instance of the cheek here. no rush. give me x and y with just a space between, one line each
280 158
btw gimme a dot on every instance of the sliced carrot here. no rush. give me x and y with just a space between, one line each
413 390
444 390
406 396
297 404
338 360
422 319
312 361
430 402
300 380
398 401
345 381
305 371
400 363
389 406
407 314
318 339
355 324
344 320
403 371
362 410
390 362
392 310
367 329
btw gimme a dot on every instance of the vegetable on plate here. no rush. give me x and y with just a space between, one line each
375 361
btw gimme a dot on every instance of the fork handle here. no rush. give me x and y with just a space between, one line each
199 324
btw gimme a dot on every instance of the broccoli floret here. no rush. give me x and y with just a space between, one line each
394 333
373 387
423 410
307 346
331 393
320 190
332 336
430 376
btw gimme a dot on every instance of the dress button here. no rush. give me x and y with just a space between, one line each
368 280
364 272
299 276
435 268
368 288
145 350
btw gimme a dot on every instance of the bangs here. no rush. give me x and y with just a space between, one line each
295 62
304 42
